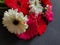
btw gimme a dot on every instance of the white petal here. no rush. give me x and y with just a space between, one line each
8 18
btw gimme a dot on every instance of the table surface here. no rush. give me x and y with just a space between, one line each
50 37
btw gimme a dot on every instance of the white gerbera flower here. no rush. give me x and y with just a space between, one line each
15 22
35 6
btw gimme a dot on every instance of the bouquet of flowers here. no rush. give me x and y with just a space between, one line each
26 18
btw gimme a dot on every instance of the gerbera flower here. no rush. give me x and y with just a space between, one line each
21 5
35 6
32 30
15 22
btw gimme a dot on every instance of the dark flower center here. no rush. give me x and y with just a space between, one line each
44 10
18 3
15 22
35 3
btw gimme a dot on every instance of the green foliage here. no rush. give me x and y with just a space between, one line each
1 1
2 5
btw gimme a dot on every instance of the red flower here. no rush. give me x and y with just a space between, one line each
36 26
45 2
18 4
41 25
24 3
32 30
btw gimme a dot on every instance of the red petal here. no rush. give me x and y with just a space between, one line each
46 2
25 3
42 25
13 4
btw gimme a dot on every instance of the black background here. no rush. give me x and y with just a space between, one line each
50 37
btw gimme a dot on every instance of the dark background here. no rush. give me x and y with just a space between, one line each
50 37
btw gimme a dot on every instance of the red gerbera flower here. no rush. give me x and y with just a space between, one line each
18 4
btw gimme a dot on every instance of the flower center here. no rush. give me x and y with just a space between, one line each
35 3
18 3
15 22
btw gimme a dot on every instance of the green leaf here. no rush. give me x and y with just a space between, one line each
1 1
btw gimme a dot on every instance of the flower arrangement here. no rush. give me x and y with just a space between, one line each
27 18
